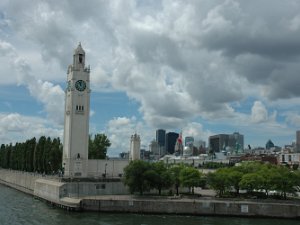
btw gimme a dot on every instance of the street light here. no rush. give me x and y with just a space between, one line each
105 170
51 172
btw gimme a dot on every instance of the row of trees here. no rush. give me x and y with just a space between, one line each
32 156
255 178
141 176
45 155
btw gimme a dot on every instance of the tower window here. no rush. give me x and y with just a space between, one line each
80 58
79 109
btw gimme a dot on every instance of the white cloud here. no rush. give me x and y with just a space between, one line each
50 95
197 131
180 60
259 112
293 118
18 128
119 131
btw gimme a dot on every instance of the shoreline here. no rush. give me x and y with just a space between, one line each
50 191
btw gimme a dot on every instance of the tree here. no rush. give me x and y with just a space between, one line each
190 177
234 178
98 146
162 177
219 181
285 181
251 181
268 173
175 172
136 176
42 156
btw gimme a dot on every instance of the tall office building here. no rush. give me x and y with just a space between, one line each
161 140
161 137
298 140
236 141
171 138
154 148
220 142
189 141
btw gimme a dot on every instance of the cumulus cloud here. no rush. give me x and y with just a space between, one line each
197 131
17 128
119 131
293 118
50 95
259 113
180 60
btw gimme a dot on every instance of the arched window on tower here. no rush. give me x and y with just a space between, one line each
80 58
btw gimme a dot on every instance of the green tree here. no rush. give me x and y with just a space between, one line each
98 146
234 178
162 178
268 173
251 182
175 172
285 181
249 167
219 181
38 155
190 177
136 176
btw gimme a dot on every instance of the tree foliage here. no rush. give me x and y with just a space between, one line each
141 176
175 172
255 177
190 178
219 181
44 156
136 176
98 146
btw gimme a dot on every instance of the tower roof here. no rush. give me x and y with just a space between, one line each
79 50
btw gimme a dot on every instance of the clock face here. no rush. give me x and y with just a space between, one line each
80 85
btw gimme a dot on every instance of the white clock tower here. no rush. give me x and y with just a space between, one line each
77 109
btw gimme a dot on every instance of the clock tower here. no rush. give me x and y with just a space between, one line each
77 110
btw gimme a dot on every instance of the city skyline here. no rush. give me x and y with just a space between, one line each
200 68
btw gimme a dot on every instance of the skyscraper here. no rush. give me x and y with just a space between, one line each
298 140
161 140
171 138
161 137
189 141
220 142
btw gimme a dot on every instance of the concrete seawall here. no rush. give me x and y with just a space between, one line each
19 180
192 207
108 196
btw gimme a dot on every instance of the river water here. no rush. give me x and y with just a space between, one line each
17 208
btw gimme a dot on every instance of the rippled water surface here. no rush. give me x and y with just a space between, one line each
17 208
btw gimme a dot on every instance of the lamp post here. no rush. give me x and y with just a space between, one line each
105 170
63 169
51 170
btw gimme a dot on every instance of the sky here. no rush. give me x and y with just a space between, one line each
202 67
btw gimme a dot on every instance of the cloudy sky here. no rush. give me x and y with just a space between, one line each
201 66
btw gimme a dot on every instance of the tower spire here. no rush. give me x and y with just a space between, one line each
79 58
